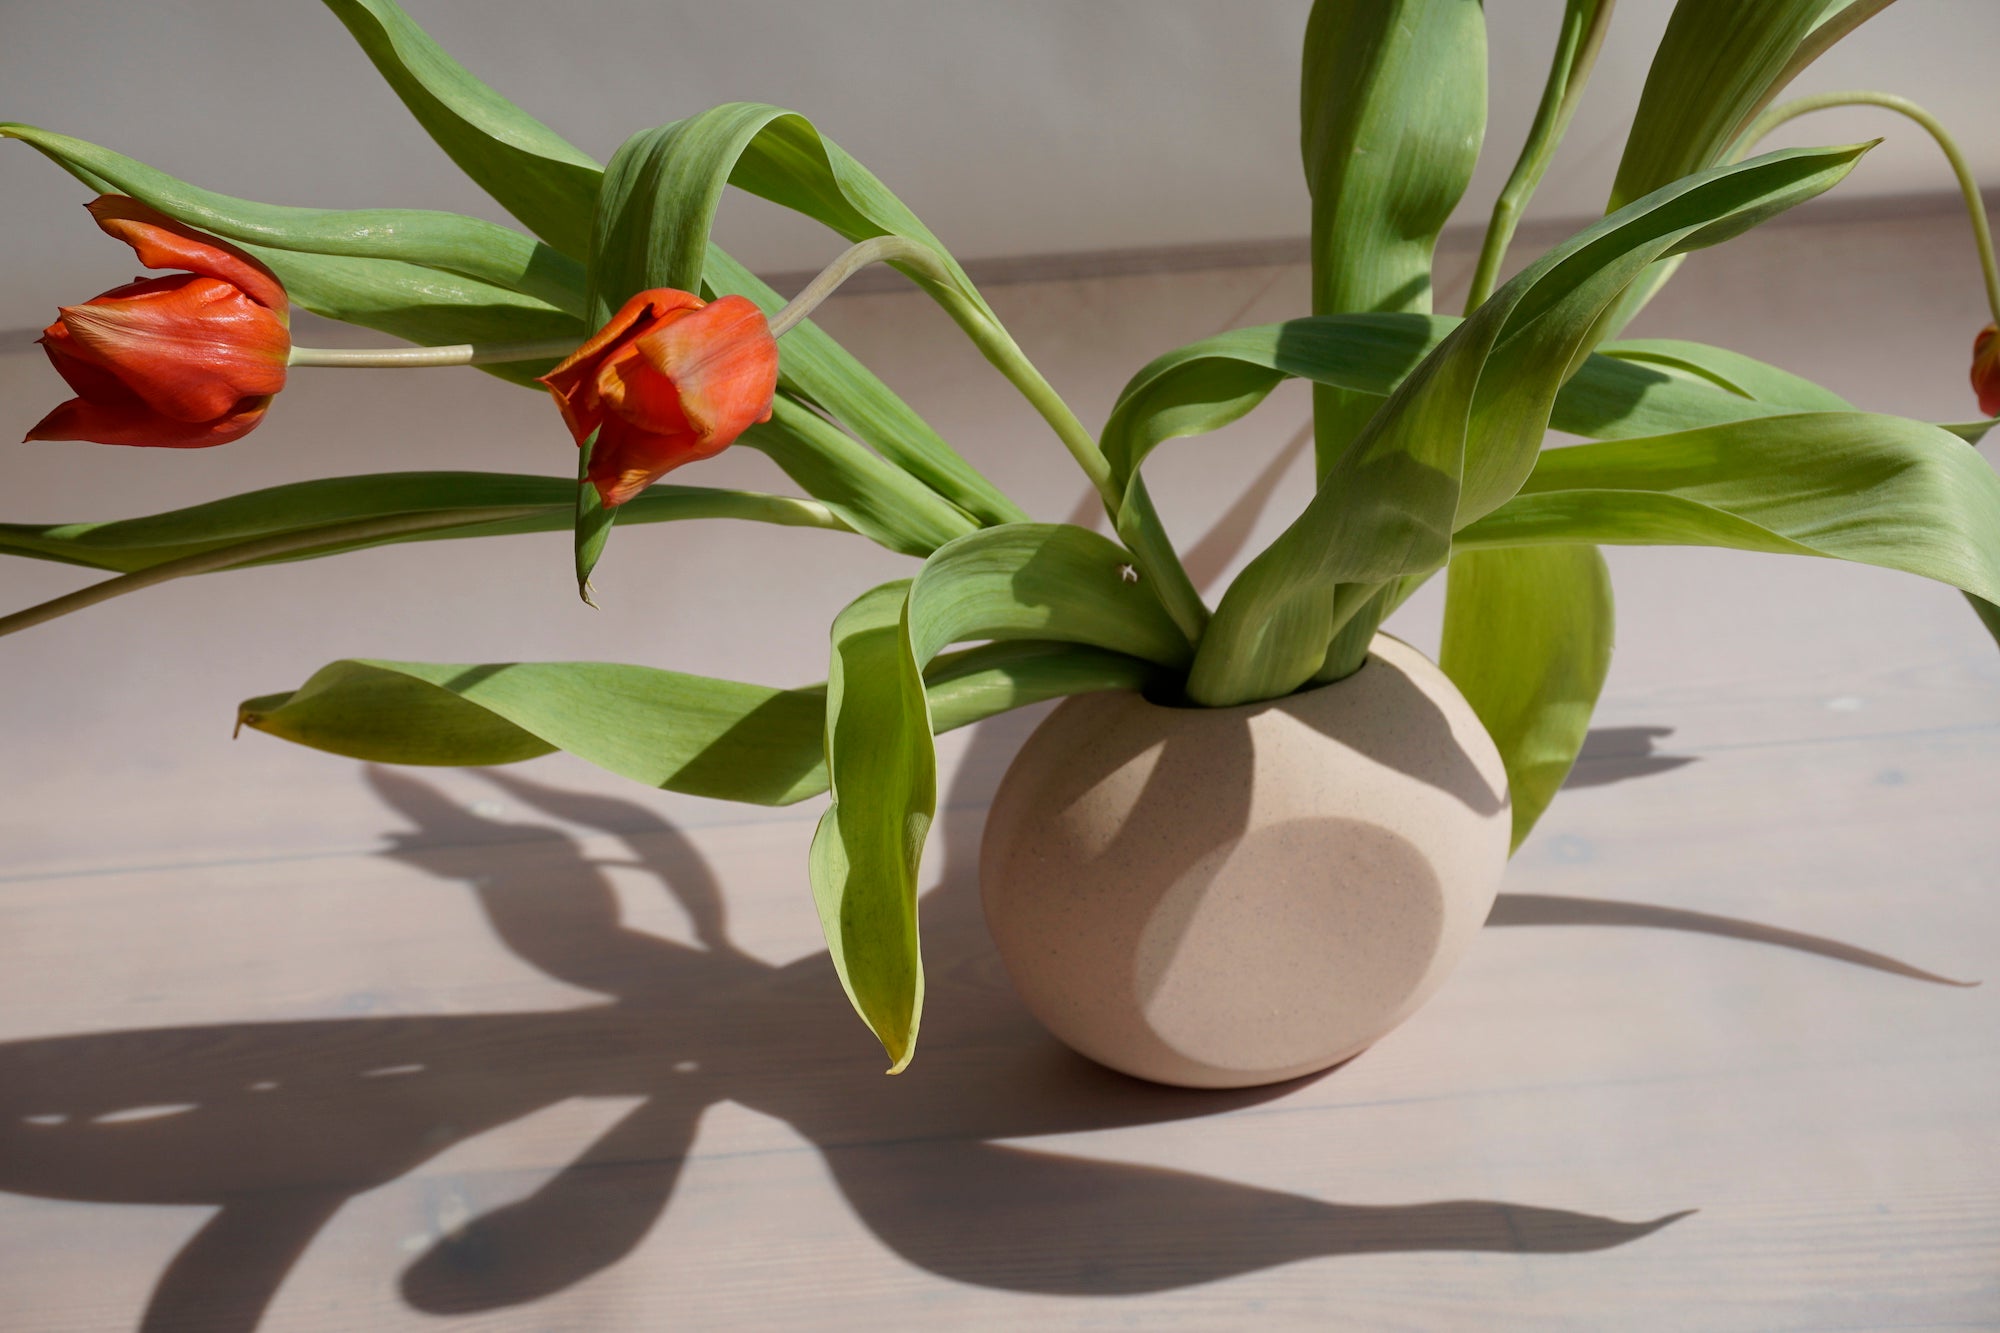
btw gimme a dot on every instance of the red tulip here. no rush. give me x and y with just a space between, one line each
182 361
668 381
1986 370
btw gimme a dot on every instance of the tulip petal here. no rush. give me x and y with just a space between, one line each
723 361
161 242
81 372
82 419
1986 369
627 459
192 347
574 384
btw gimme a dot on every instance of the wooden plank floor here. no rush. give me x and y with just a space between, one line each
294 1044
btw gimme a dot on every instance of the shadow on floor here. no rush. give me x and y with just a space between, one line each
278 1124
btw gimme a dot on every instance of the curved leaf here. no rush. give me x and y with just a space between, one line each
1854 486
126 545
876 498
1392 109
470 247
1527 640
1461 433
529 169
1024 580
684 733
1719 63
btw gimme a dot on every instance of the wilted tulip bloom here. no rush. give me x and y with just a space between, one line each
668 381
182 361
1986 370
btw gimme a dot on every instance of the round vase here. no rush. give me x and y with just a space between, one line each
1223 897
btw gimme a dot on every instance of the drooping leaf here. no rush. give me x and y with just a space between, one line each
878 499
1527 640
1023 580
449 242
691 734
553 187
1461 433
1854 486
1392 109
127 545
530 170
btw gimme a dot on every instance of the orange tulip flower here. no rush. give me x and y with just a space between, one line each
1986 370
183 361
668 381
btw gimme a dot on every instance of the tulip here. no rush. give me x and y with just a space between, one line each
668 381
1986 369
181 362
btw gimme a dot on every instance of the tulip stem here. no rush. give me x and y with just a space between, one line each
265 548
1968 184
455 354
1583 28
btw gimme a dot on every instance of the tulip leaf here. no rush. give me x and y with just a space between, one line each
422 305
691 734
1719 64
1460 434
552 187
880 500
1392 109
1527 640
1615 393
663 186
1035 581
449 242
529 169
1877 490
1730 371
132 544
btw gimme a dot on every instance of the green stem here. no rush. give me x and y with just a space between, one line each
454 354
1968 184
1584 25
228 557
1130 508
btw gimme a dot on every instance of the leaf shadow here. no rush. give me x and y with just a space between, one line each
277 1124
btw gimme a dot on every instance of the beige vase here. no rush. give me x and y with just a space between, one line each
1225 897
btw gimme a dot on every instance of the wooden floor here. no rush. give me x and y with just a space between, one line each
294 1044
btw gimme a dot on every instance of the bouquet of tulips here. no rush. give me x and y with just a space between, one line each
660 350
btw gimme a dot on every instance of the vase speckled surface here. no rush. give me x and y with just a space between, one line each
1234 896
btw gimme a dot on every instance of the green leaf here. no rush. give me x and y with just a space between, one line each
663 186
1527 640
469 247
877 499
422 305
530 171
1718 65
1392 110
869 844
1461 433
691 734
1730 371
1036 581
1854 486
128 545
552 187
